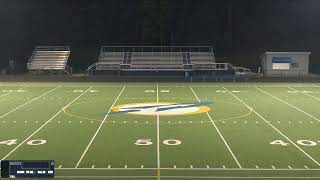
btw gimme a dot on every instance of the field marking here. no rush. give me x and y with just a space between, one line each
239 177
158 139
12 91
194 169
283 135
224 141
104 177
193 177
28 102
45 124
265 92
305 94
96 133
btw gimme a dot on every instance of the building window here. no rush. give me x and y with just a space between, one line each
281 66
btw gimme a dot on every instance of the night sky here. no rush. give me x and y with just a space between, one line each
240 30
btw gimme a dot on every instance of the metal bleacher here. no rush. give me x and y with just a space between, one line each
50 59
158 58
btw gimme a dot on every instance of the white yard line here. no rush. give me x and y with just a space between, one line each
225 142
28 102
289 104
48 121
305 94
96 133
273 127
158 138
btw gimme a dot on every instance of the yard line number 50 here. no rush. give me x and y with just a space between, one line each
148 142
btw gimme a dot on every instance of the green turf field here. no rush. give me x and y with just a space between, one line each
252 130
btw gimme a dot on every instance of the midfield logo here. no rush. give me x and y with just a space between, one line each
162 108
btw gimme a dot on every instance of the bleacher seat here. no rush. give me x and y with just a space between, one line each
50 58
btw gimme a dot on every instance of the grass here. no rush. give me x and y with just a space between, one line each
252 131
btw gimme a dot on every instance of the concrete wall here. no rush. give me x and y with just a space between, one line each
301 58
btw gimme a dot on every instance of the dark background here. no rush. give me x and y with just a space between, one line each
239 30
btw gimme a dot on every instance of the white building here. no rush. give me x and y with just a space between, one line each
285 63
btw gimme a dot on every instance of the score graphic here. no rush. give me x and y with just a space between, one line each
27 169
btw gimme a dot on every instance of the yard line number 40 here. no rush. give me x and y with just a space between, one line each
34 142
300 142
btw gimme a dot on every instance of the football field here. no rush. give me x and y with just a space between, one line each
164 131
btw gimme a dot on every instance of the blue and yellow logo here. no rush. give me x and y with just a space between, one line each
162 108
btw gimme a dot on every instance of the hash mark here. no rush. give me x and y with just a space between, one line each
224 166
306 167
174 166
92 166
125 166
273 167
289 167
60 166
257 167
109 166
208 166
191 166
142 166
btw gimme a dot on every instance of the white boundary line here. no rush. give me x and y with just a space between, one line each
265 92
287 138
192 169
179 86
106 177
225 142
193 177
158 138
96 133
305 94
240 177
28 102
45 124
